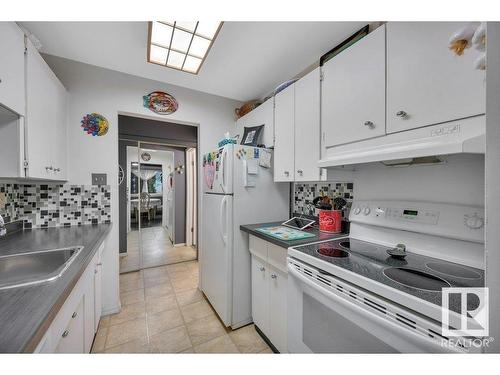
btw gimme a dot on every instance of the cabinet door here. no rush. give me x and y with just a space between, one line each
12 89
277 309
426 80
46 120
284 130
59 152
307 129
262 115
97 294
353 92
72 338
39 121
260 296
89 307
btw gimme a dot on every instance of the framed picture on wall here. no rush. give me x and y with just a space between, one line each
251 135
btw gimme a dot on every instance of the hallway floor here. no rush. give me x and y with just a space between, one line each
157 249
164 312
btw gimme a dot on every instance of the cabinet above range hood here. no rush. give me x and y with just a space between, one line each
465 136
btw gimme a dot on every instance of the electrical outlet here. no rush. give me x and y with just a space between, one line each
99 179
3 201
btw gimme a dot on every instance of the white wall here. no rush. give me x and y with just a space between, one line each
459 180
107 92
493 181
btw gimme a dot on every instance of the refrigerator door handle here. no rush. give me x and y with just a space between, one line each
223 167
221 221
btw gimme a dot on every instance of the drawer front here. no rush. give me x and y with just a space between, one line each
258 247
71 340
276 256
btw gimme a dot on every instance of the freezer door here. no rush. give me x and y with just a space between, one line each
216 253
218 170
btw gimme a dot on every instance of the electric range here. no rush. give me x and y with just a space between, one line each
395 303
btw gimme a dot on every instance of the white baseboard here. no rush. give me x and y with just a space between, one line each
123 254
180 244
112 310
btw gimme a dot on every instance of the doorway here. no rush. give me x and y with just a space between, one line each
154 193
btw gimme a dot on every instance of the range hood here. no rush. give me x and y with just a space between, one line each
456 137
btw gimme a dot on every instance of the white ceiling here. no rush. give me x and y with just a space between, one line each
247 61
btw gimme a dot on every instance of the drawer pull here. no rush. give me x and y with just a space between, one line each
65 333
273 276
262 269
75 314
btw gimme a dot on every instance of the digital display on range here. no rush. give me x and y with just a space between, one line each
410 212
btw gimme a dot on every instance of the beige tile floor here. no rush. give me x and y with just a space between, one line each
164 312
157 249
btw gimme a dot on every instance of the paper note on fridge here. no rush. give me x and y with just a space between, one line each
252 166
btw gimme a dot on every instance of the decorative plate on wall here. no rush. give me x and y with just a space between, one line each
95 124
160 102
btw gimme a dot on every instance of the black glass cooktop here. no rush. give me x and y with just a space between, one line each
418 275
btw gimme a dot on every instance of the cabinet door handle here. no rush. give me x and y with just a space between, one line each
99 264
75 314
300 171
65 333
369 124
57 169
262 269
286 173
274 276
402 114
49 168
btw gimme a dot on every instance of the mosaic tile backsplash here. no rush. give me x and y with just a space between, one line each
46 206
304 193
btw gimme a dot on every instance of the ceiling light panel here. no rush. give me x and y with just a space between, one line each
181 45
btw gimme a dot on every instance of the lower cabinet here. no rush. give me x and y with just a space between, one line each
74 327
269 291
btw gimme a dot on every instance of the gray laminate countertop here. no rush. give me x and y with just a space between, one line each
318 236
26 312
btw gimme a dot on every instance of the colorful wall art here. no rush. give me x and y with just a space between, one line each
160 102
95 124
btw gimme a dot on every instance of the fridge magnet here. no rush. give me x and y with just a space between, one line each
94 124
160 102
209 173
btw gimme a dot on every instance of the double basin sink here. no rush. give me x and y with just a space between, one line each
26 269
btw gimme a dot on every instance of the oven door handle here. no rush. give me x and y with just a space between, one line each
379 322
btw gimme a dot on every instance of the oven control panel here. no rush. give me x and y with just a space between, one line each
448 220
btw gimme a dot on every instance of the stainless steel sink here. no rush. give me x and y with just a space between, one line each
35 267
416 279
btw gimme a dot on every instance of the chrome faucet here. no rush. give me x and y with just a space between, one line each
3 228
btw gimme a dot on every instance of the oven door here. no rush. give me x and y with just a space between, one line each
332 316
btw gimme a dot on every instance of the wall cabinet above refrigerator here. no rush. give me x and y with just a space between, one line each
297 130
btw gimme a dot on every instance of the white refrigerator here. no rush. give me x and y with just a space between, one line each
238 189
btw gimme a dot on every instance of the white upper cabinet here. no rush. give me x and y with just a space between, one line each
284 131
425 80
307 127
46 120
353 92
262 115
12 93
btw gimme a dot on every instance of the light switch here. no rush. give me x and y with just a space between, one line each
99 179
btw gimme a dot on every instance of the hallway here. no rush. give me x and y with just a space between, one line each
157 250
